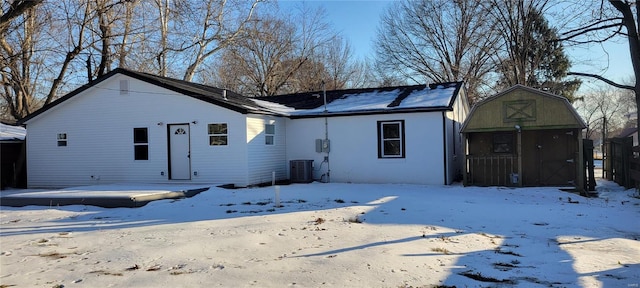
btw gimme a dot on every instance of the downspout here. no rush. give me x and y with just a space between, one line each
444 146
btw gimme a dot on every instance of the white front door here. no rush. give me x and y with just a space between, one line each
179 152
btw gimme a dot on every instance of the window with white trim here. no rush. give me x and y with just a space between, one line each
218 134
140 144
269 134
391 139
62 139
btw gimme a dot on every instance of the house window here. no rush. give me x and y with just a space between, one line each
218 134
269 132
391 139
140 144
503 143
62 139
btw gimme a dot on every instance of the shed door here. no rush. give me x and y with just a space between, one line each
179 152
556 153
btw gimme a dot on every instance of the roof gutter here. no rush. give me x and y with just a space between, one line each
371 112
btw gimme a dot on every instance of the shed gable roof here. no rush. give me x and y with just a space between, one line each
524 106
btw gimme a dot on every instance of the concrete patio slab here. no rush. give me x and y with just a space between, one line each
108 196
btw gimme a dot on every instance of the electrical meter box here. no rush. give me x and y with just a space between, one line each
322 145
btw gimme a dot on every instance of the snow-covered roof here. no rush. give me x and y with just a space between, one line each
10 132
352 101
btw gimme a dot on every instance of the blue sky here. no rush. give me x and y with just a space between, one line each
357 20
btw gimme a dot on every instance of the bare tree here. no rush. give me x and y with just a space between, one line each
163 18
76 25
310 76
17 50
604 107
338 63
41 48
14 9
32 68
330 67
259 59
222 24
275 52
613 19
438 40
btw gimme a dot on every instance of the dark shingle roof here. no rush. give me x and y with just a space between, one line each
434 97
416 98
213 95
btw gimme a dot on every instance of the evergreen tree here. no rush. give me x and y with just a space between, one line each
533 56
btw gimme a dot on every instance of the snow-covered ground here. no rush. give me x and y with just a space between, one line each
334 235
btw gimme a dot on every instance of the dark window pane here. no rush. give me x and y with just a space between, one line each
269 140
392 147
502 143
217 140
140 135
62 143
217 128
391 131
141 152
502 148
270 129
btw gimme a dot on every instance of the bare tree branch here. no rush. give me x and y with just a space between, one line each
605 80
584 31
16 9
581 29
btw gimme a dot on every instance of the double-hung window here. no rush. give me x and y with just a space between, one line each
391 139
62 139
269 134
218 134
140 144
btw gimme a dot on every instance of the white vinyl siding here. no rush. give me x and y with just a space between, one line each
99 123
266 159
354 148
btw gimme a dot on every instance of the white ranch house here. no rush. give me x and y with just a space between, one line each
139 128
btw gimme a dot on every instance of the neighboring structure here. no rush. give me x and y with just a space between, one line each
523 137
629 132
12 156
135 127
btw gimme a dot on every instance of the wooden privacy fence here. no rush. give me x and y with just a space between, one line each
634 173
588 172
621 165
492 170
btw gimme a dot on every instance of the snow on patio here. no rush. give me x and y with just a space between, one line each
338 235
